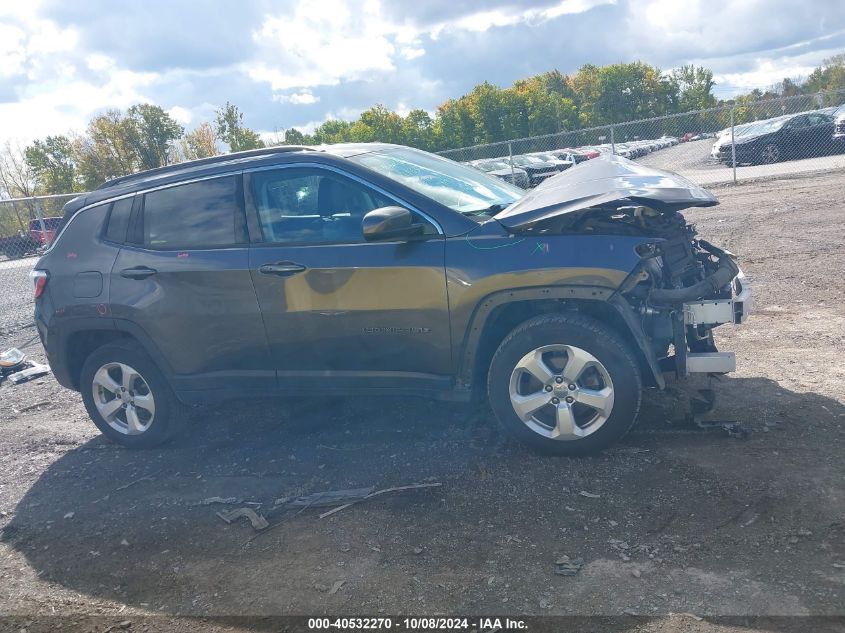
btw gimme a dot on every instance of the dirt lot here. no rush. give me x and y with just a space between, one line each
676 520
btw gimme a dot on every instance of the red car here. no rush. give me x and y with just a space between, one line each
44 237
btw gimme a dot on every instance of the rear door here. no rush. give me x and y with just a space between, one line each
340 311
183 279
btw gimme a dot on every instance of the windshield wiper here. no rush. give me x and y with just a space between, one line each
492 209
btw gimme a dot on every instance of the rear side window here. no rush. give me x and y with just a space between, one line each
197 215
119 220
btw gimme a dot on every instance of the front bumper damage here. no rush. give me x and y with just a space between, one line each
711 313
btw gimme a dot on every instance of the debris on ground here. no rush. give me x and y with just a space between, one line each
34 370
69 515
336 587
30 407
589 495
136 481
565 566
380 492
212 500
11 360
258 521
328 498
731 427
120 625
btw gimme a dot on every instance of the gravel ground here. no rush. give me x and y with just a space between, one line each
674 520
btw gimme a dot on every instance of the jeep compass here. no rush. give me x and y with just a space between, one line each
379 269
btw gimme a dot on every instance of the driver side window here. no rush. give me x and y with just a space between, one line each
316 206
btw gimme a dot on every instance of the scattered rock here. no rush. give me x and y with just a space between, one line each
124 542
69 515
418 550
636 573
565 566
336 587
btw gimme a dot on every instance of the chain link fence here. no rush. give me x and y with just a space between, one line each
765 138
27 226
779 137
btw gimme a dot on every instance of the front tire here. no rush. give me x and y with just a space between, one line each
565 385
128 398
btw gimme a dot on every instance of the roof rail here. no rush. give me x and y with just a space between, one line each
264 151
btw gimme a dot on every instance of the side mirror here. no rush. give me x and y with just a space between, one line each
389 223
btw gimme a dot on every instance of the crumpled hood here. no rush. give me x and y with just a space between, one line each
601 181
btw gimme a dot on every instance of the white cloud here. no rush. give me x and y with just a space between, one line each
181 115
297 98
412 52
321 44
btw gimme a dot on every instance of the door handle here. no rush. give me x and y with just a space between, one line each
138 272
281 269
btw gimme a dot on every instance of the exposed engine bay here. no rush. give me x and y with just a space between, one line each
683 287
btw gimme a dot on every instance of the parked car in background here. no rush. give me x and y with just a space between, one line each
538 170
783 138
589 152
549 157
46 234
839 127
500 169
18 244
572 155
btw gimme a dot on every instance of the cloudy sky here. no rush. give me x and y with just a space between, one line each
295 63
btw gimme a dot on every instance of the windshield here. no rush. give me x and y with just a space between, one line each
456 186
770 126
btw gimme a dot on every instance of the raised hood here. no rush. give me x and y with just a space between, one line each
602 181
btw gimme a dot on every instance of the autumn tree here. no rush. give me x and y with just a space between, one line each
201 142
17 180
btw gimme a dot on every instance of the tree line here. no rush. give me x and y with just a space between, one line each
116 143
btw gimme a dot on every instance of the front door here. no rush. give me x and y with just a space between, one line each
341 312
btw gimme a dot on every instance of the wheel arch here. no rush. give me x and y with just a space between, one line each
498 314
84 339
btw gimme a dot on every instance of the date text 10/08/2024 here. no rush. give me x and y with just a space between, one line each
417 624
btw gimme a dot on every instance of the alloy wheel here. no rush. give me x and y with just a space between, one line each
561 392
124 399
771 154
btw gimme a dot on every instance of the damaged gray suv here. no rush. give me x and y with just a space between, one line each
379 269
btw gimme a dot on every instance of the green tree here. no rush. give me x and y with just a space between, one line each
294 137
231 129
53 165
332 131
695 86
454 126
418 129
153 135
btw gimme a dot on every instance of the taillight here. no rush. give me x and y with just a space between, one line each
39 278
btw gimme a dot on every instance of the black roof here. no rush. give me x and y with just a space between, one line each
211 160
179 171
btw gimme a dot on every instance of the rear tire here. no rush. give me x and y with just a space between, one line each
128 398
575 382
